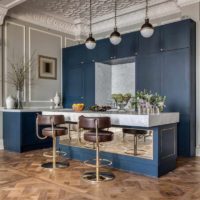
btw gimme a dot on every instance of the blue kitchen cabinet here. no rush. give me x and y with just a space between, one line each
19 132
104 51
73 85
148 72
150 45
74 55
176 79
176 35
128 47
79 84
89 84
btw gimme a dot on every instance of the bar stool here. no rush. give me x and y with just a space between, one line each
51 130
96 134
136 133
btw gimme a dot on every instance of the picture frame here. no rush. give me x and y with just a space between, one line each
47 67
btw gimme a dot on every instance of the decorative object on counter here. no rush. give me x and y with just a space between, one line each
146 102
17 75
99 108
90 42
56 100
115 37
78 106
121 100
47 67
10 102
147 29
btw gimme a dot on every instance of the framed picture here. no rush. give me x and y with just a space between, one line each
47 67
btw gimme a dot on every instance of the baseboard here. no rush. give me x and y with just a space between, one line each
198 150
1 144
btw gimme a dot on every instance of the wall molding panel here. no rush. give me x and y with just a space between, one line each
29 55
7 23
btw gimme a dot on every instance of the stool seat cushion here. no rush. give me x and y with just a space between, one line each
57 131
134 131
103 136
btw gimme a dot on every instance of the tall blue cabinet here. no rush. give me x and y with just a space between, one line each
165 63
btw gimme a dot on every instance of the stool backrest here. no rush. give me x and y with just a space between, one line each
50 119
90 122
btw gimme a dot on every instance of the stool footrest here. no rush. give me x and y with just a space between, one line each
92 163
49 165
50 155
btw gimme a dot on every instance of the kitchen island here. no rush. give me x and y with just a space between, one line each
164 144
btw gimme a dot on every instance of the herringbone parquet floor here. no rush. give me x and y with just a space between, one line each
22 178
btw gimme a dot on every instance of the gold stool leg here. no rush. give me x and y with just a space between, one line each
54 152
54 164
97 176
135 144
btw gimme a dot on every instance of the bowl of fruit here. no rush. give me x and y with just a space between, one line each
78 106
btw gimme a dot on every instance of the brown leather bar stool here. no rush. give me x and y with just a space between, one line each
51 130
136 133
96 134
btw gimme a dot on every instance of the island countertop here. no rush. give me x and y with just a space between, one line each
128 118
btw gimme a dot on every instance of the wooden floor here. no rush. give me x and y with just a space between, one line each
22 178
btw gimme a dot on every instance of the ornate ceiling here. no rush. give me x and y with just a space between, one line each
71 16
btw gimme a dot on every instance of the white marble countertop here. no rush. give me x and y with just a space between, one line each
121 118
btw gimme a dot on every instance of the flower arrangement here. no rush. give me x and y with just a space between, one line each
121 100
147 100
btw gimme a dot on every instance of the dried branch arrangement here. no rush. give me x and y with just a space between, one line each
19 72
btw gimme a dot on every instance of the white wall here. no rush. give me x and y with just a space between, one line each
110 79
102 83
123 78
23 40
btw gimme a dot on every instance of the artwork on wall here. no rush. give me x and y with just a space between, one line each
47 67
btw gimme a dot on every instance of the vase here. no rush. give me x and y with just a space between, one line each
56 100
19 99
10 102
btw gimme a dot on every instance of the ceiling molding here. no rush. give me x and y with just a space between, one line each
186 2
77 25
3 12
5 5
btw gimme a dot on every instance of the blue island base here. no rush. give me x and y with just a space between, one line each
164 154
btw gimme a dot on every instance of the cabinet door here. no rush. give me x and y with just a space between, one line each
104 50
89 84
148 72
74 55
73 85
175 80
175 35
128 46
150 45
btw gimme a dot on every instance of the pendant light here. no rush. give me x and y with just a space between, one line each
90 42
147 29
115 37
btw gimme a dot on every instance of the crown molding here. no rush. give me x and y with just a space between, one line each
127 18
5 6
182 3
3 12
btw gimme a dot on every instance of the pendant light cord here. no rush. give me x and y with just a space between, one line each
146 17
115 13
90 16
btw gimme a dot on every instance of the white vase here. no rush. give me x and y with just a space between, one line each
56 100
10 102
